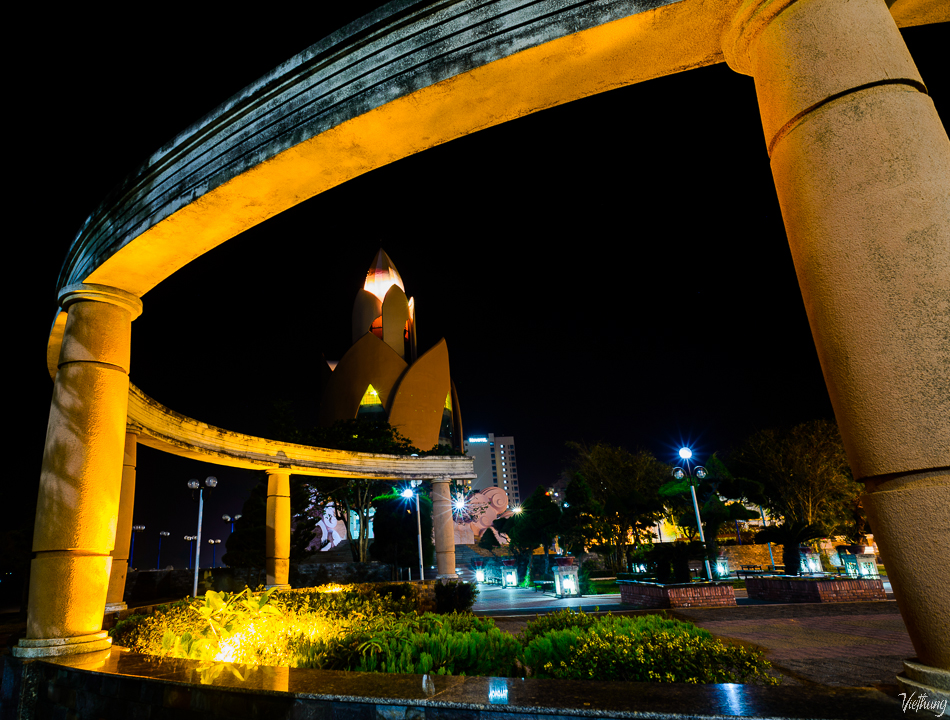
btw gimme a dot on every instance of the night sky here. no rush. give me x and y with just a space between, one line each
614 269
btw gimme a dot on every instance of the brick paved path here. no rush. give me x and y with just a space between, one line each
859 644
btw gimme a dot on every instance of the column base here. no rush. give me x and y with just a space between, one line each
278 586
924 685
115 607
54 647
447 576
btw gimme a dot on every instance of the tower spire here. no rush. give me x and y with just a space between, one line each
382 275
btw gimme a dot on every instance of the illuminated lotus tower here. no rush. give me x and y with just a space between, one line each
381 375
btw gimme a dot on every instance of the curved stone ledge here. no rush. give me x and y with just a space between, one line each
121 684
164 429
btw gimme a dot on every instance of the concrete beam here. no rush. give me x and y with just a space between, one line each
163 429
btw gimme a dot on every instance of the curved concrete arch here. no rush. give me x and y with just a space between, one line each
396 82
163 429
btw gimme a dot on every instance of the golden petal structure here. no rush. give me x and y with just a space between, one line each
396 319
366 308
369 362
416 410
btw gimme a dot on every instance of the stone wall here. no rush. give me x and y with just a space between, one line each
739 555
815 590
650 595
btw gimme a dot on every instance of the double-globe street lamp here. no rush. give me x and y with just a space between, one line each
191 548
214 544
135 529
210 483
158 562
699 472
232 520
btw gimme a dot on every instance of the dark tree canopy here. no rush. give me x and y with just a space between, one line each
806 480
804 474
395 531
626 486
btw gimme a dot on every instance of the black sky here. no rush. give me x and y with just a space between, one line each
612 269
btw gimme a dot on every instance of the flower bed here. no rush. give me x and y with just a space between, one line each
780 589
655 595
339 628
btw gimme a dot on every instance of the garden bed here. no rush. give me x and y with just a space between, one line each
657 595
785 589
363 629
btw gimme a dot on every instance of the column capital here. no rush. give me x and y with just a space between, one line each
750 19
100 293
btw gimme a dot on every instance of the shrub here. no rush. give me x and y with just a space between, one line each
661 657
648 648
455 596
345 601
560 620
144 632
442 645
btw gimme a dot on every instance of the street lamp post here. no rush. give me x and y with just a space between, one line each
408 493
135 529
191 548
214 544
232 520
699 473
158 562
210 483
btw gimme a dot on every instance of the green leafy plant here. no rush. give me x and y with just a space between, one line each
455 596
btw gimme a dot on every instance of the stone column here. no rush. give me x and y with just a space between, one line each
861 165
81 476
442 526
115 598
278 528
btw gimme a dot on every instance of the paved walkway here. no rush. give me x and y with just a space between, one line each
494 600
860 644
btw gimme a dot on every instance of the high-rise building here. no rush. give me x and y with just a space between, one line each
496 464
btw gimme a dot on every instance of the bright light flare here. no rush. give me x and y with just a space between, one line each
516 509
686 453
407 493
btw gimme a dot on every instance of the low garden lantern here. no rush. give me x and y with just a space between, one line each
858 565
479 567
810 562
565 578
509 573
722 566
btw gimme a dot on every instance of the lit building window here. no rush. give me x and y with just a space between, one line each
371 404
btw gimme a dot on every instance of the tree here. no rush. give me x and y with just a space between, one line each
396 531
581 516
537 523
714 512
806 480
626 485
357 494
